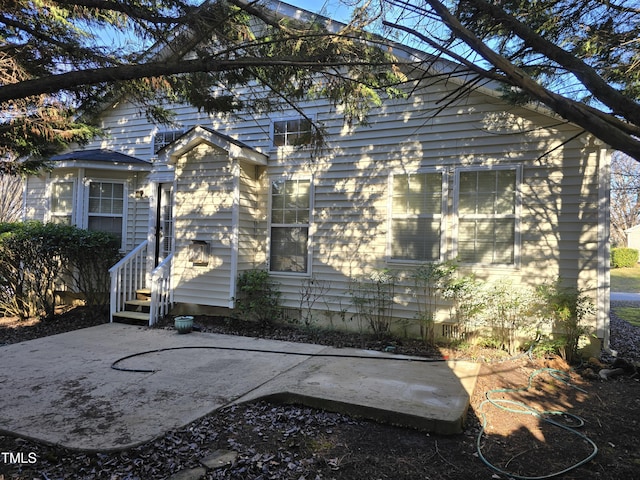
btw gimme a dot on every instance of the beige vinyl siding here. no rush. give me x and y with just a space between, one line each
558 191
252 225
558 197
36 198
204 202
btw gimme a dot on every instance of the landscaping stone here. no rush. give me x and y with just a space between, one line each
220 459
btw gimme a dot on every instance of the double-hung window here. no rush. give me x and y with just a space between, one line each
290 222
416 216
487 205
62 203
105 211
295 132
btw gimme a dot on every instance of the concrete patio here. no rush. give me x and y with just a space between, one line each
63 390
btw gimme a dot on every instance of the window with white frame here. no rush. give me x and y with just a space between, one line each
487 204
416 216
162 139
290 222
62 203
106 207
294 132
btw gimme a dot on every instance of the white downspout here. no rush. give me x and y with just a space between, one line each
604 279
235 219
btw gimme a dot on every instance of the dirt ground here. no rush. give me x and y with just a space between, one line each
268 441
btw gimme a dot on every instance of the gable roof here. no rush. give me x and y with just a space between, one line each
199 134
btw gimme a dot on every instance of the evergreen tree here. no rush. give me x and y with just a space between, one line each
59 55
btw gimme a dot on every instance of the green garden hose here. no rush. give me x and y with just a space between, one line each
522 408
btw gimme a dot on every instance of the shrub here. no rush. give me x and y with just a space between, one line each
31 259
258 296
311 290
623 257
33 256
430 280
567 307
89 255
508 311
373 297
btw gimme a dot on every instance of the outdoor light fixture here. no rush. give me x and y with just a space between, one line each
199 253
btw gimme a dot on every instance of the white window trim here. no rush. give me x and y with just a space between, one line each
443 215
311 232
125 203
516 215
272 138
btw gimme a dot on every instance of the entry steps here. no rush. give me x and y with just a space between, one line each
137 311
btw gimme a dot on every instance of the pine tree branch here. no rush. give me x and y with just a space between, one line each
609 96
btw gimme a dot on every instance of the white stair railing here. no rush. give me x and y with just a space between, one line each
161 291
128 276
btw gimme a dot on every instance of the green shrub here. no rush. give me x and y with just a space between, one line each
258 296
623 257
31 259
567 307
509 312
89 255
33 256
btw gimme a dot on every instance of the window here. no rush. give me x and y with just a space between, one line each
487 216
62 203
290 220
106 207
292 132
416 216
162 139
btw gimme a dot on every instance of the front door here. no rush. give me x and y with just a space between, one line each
164 222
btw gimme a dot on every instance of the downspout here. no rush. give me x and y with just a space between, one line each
24 198
235 220
604 279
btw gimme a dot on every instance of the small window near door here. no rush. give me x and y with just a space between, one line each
62 203
106 208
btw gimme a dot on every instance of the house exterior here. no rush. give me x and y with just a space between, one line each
510 192
633 237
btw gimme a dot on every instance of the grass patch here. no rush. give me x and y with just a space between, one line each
625 280
630 314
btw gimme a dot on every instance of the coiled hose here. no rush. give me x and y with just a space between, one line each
522 408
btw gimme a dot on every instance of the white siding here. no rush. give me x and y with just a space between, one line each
559 190
252 228
36 198
204 202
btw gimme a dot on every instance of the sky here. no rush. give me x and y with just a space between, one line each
330 8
